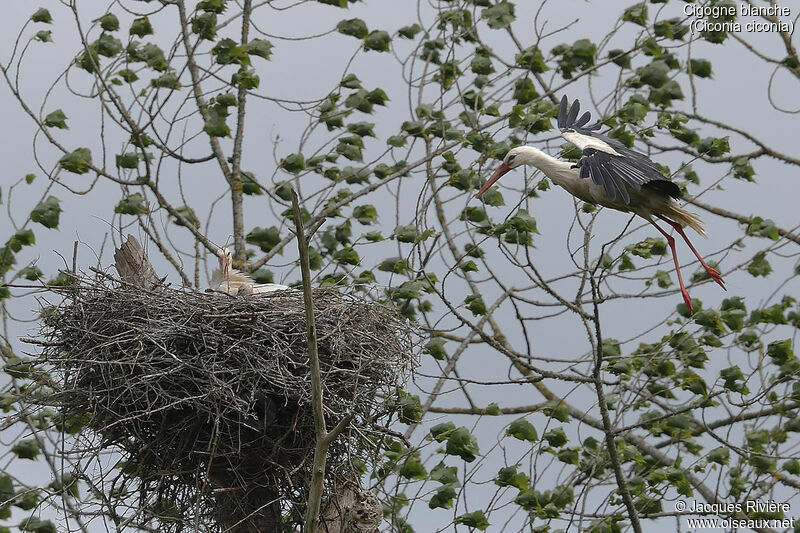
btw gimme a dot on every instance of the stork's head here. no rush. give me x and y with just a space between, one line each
225 260
521 155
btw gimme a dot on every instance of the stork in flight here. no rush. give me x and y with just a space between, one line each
231 281
621 179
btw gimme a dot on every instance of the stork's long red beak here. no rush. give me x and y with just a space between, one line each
498 173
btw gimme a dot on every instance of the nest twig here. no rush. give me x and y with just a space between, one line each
207 397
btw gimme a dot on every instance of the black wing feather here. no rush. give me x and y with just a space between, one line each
568 117
616 173
573 113
562 112
585 118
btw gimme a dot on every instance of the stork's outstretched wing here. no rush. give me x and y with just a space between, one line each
567 118
607 161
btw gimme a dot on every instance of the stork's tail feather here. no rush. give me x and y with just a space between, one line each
684 217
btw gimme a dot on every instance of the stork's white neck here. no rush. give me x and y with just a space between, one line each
555 169
560 172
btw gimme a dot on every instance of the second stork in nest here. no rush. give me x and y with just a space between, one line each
231 281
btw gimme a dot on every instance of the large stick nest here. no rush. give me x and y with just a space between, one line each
207 397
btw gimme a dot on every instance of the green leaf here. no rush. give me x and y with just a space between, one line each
31 273
26 449
56 119
36 525
700 67
250 186
439 432
128 160
742 169
363 129
77 161
47 212
259 48
714 146
468 266
410 408
656 74
377 40
509 477
265 238
719 455
523 221
293 163
762 464
442 498
246 78
141 27
435 348
151 54
780 351
107 45
759 227
216 126
365 214
212 6
759 266
353 27
568 456
446 475
792 466
532 59
227 52
350 151
500 15
23 237
128 75
167 80
524 91
409 233
555 437
413 469
205 25
476 519
45 36
346 256
396 265
557 409
474 303
620 58
109 22
493 197
463 444
409 32
134 204
482 64
42 15
637 14
523 430
732 376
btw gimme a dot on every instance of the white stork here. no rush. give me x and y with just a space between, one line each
231 281
621 179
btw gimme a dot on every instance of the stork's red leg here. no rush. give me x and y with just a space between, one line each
713 272
671 242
